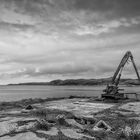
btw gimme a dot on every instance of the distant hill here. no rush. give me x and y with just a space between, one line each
102 81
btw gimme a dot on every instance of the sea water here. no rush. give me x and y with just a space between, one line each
13 93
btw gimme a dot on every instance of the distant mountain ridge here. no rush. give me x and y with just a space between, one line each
101 81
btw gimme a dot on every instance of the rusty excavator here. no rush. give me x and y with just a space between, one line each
112 89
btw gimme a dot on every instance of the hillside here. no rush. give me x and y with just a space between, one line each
101 81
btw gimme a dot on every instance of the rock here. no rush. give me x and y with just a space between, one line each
26 126
7 127
85 120
52 132
60 116
73 133
29 107
23 136
74 123
101 126
61 119
11 125
43 125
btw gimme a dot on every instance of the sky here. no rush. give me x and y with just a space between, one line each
43 40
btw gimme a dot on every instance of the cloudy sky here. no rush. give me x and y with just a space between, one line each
42 40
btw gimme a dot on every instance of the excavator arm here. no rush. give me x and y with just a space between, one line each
112 89
135 67
124 60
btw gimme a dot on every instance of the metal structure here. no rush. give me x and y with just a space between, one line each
112 89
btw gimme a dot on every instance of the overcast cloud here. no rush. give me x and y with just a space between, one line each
42 40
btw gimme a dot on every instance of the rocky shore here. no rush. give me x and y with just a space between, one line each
70 119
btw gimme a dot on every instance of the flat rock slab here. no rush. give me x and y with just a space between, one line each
6 127
73 133
124 112
10 125
132 106
78 107
52 132
23 136
7 119
15 119
74 123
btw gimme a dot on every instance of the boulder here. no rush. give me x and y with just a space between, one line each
101 126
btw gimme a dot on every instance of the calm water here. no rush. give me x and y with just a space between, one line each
10 93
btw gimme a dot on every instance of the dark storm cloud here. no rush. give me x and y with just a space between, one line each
69 17
112 8
121 8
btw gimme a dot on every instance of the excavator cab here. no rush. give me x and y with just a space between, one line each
112 92
112 89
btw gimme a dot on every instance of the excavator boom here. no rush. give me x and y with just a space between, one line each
122 64
112 90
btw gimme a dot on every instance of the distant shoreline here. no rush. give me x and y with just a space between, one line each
81 82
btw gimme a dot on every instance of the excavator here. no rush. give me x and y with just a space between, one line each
112 89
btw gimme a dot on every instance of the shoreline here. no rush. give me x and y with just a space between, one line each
78 82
